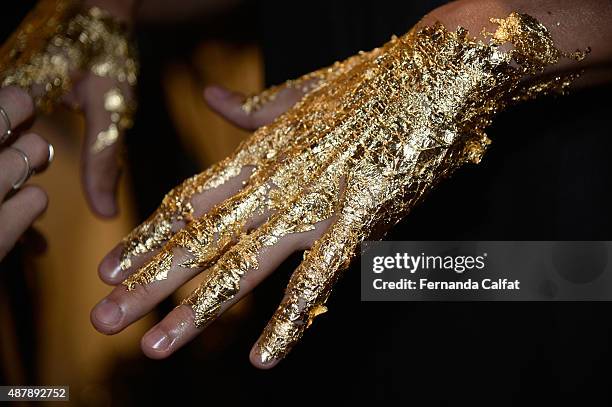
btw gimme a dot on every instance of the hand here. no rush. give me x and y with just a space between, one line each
369 139
19 211
83 59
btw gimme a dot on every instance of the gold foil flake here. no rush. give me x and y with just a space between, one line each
121 112
315 312
21 60
531 41
57 40
370 138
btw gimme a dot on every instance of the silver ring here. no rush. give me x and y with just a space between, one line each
28 168
9 126
51 154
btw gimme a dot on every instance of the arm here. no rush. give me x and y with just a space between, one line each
573 26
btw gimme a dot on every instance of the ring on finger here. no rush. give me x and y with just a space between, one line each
51 154
27 171
7 134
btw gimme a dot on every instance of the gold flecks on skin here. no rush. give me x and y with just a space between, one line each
56 40
371 137
121 112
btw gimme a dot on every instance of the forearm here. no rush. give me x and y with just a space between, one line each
573 25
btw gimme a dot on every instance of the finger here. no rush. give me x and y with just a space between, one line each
150 236
240 270
192 249
311 284
101 166
12 163
230 105
18 213
19 107
305 298
263 108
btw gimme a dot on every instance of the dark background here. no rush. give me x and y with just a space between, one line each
547 176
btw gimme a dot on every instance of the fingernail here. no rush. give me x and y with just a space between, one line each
110 268
108 312
158 340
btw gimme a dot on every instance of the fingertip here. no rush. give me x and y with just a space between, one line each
100 188
102 204
171 334
106 317
109 270
257 361
37 198
156 344
106 210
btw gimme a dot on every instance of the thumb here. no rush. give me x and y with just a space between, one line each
100 161
229 105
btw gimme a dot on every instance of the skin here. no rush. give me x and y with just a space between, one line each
20 210
100 172
582 24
